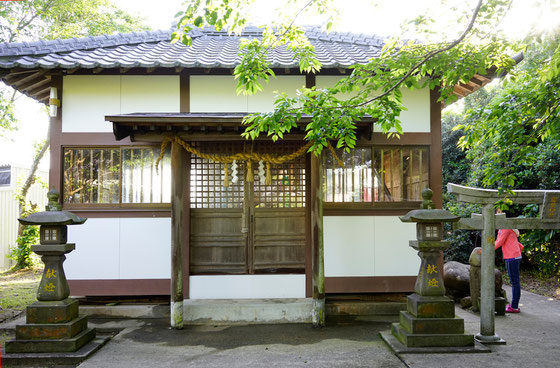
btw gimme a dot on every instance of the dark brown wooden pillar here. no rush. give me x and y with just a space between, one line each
435 149
318 313
55 133
310 82
177 235
185 106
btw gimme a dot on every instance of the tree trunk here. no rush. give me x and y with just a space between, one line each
22 195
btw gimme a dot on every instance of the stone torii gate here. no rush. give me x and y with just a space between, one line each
488 222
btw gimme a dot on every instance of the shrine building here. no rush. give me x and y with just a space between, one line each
114 99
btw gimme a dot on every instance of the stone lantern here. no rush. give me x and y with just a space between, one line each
53 324
429 323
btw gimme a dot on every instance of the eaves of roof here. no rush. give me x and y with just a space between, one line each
28 66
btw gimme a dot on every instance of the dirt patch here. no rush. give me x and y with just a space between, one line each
547 286
17 290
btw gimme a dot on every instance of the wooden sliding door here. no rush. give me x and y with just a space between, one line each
247 227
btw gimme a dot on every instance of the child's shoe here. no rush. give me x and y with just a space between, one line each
509 309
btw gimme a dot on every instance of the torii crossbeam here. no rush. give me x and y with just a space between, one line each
488 222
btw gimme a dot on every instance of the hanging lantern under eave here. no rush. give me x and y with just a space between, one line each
54 102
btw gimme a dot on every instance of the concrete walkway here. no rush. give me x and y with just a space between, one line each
533 340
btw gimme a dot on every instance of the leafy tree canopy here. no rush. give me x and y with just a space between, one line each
508 132
438 61
52 19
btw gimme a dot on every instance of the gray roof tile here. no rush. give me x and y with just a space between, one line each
210 49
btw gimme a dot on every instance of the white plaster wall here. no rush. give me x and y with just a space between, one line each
264 101
416 119
215 94
392 254
329 81
218 94
97 250
369 246
246 286
145 248
348 242
115 248
88 98
158 93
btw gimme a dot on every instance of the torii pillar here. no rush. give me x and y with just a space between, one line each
488 222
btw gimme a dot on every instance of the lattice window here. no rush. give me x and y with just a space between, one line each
207 179
376 175
351 183
92 176
116 176
288 179
400 173
141 182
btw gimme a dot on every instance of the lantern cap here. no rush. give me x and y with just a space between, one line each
52 218
438 215
429 213
53 215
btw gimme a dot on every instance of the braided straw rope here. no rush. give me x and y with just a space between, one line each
268 158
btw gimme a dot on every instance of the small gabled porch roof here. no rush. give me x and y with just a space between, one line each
201 126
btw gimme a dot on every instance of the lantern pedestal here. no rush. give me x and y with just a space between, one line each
429 324
53 284
53 324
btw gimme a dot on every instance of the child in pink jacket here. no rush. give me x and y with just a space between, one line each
511 250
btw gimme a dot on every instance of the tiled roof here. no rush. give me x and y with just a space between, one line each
152 49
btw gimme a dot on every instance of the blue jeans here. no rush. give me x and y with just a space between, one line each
512 266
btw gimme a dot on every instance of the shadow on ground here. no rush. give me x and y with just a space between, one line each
233 337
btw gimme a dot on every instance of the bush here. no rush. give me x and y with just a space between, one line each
462 241
29 236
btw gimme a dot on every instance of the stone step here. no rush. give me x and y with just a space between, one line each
51 345
51 330
430 306
431 325
52 312
431 340
212 311
364 308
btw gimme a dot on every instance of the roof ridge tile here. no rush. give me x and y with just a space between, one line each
210 49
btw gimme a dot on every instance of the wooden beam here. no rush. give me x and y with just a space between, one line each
40 81
30 80
41 88
97 70
467 86
480 79
458 90
318 264
43 97
13 76
177 235
184 92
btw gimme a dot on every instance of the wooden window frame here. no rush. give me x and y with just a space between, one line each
110 206
378 207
